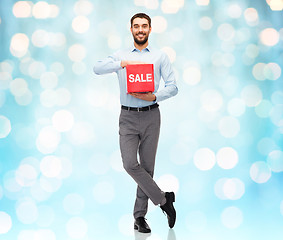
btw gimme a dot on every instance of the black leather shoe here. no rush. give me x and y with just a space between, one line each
169 209
141 225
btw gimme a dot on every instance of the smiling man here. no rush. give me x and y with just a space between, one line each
139 123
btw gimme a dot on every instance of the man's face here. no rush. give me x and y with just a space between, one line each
140 30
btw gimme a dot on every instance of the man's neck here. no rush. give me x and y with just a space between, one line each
141 47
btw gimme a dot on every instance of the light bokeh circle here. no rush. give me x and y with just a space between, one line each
227 157
5 126
211 100
46 216
81 133
83 7
159 24
235 10
204 159
275 160
80 24
192 75
27 211
168 183
205 23
50 166
48 80
19 45
267 145
260 172
18 87
171 6
41 10
269 36
77 228
63 120
22 9
252 95
229 188
196 221
99 164
251 16
77 52
276 115
272 71
229 127
26 175
73 203
5 222
48 140
226 32
236 107
263 109
233 188
104 192
42 234
125 225
232 217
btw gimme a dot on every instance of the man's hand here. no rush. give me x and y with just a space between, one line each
125 63
144 96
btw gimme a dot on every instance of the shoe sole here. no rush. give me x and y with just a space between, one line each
137 228
172 198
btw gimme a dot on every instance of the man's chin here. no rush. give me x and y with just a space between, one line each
142 42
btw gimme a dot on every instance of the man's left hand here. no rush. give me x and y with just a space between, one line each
144 96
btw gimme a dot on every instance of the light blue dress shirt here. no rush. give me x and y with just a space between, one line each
162 68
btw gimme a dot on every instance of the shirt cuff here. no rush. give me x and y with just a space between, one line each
118 65
156 97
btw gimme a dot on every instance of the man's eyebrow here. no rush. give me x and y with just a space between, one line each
145 24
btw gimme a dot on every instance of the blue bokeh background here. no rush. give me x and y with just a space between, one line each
221 141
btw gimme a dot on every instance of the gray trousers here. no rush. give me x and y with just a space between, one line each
139 133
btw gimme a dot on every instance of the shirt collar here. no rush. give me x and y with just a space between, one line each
134 49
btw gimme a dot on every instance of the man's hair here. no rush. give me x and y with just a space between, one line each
141 15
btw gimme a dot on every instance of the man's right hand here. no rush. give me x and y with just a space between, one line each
125 63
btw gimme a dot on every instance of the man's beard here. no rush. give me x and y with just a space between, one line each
140 42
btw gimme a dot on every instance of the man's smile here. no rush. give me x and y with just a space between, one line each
141 35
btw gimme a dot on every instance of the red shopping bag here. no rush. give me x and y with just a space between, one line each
140 78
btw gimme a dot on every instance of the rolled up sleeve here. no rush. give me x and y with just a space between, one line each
170 89
108 65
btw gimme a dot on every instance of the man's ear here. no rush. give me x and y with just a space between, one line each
150 30
131 29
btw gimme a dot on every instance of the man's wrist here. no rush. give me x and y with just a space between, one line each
154 97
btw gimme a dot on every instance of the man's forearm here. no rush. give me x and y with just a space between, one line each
109 65
106 66
124 63
144 96
166 92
